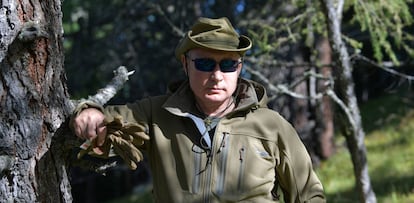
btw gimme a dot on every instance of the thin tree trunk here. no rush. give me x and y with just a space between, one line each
33 102
324 112
320 110
354 131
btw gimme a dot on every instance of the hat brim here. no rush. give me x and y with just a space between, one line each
188 43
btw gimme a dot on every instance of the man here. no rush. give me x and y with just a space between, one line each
212 137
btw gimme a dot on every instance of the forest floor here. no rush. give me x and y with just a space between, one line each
389 126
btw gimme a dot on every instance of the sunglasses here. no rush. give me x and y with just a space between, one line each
208 65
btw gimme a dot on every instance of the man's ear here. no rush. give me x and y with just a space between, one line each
240 69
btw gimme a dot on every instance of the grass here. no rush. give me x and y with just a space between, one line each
389 127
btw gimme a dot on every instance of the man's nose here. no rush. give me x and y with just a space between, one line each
217 74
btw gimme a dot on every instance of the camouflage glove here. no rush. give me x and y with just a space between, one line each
124 138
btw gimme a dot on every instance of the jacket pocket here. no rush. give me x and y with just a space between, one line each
241 168
251 163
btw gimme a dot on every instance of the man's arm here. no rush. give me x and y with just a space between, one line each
297 177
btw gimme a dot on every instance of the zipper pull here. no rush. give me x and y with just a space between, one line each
223 142
241 153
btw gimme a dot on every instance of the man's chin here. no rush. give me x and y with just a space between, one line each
213 98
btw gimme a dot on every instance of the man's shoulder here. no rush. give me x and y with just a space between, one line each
158 100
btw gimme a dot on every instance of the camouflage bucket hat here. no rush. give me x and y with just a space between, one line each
216 34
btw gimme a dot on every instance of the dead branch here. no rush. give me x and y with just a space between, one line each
387 67
286 88
121 75
105 94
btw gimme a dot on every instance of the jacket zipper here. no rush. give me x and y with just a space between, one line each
222 151
197 169
242 152
209 168
207 183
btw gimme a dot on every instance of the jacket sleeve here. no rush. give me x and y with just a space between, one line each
138 112
295 174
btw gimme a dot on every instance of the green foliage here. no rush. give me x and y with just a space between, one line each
293 23
262 37
386 24
385 21
357 45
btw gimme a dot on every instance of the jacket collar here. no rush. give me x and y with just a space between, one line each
181 102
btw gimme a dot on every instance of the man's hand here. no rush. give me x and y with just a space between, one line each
102 135
89 125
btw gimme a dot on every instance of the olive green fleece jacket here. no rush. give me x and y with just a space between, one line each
252 150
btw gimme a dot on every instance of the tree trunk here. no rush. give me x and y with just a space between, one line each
34 103
353 130
323 110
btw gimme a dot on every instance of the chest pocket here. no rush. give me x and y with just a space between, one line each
250 165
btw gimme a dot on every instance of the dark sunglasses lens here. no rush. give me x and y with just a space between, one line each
227 65
206 65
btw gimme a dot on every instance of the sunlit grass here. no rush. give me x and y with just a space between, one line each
390 147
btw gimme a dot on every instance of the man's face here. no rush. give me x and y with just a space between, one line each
214 87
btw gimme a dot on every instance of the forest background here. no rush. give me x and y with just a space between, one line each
290 43
339 71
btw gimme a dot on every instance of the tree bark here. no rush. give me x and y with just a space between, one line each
353 129
34 103
323 110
